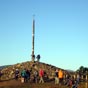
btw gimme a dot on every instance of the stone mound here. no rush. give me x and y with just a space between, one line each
9 71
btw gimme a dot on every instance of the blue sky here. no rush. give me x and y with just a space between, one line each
61 32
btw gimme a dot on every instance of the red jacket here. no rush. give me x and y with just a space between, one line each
41 73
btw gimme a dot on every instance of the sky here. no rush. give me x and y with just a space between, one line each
61 32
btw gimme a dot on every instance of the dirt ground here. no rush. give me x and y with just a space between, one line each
18 84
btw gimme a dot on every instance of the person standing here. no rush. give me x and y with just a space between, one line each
35 76
56 77
16 74
60 75
41 74
23 76
27 77
0 75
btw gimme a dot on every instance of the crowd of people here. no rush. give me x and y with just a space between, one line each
66 79
38 77
25 75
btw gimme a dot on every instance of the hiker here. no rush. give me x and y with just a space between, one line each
23 76
16 74
27 75
75 85
38 57
35 76
69 82
41 74
56 77
60 75
0 75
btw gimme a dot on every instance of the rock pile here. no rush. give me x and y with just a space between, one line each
9 71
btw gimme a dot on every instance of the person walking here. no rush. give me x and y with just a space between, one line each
41 74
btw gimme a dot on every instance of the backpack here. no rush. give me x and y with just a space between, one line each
23 73
35 73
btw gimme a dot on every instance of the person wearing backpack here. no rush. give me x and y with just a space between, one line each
35 76
23 76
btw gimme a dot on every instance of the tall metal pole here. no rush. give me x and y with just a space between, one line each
33 38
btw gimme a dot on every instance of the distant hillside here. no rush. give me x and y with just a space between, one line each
2 67
70 71
8 71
